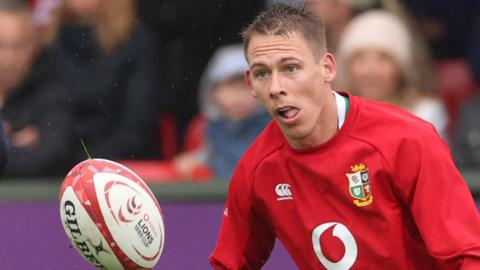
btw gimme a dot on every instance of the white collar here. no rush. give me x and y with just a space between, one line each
341 108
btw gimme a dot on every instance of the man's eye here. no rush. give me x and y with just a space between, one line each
291 69
261 74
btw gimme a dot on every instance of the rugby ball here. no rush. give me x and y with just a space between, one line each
111 217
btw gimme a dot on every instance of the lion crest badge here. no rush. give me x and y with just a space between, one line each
359 185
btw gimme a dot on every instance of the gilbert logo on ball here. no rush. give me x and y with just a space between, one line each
111 216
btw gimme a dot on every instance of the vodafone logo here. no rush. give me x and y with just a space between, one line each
283 192
341 232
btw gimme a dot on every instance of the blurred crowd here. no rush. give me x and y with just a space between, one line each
158 84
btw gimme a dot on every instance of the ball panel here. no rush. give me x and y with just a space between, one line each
125 171
84 234
128 208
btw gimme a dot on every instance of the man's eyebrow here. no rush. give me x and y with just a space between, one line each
257 65
286 59
283 60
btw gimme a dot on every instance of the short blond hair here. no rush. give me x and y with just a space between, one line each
282 20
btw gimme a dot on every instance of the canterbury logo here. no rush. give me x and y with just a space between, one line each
283 192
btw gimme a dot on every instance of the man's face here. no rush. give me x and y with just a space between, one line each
16 47
291 82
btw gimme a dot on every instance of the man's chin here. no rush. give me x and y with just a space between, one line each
296 132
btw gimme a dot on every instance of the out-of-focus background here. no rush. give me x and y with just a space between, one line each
157 85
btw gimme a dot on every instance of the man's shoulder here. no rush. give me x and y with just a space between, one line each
378 119
389 129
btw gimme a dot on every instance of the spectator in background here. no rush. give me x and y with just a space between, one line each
233 117
337 14
36 118
109 70
380 64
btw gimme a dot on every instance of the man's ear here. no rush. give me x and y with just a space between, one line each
329 67
248 81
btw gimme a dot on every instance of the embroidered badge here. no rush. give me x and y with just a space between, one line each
359 185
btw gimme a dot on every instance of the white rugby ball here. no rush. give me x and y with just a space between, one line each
111 216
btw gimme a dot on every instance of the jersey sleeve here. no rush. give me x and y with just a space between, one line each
245 240
439 201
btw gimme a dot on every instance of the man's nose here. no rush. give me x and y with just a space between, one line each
276 88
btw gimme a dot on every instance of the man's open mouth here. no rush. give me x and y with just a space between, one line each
288 112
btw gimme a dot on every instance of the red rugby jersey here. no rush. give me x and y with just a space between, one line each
383 193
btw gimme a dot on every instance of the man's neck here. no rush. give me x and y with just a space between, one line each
325 128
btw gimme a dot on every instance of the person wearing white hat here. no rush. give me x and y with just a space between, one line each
233 118
376 52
